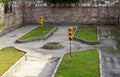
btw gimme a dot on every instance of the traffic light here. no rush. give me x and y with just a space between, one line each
41 20
70 33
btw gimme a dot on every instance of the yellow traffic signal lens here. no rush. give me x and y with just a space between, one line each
70 34
70 39
70 29
41 23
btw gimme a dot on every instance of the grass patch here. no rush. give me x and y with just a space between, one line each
87 33
82 64
118 45
8 57
37 32
3 1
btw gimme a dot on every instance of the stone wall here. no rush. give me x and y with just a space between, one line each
70 13
1 11
58 14
16 17
1 15
13 19
80 15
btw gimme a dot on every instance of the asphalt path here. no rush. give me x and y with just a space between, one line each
41 62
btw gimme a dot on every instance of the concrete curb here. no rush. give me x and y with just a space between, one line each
98 34
38 38
87 42
100 64
15 66
114 46
75 31
52 47
57 66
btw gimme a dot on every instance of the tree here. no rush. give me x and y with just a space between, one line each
6 4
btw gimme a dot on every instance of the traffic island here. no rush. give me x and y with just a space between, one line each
87 35
52 45
37 34
81 64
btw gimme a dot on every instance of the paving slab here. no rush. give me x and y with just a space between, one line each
110 57
10 38
37 66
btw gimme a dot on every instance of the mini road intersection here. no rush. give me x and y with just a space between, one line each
41 62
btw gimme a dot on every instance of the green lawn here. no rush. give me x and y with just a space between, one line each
8 57
37 32
6 0
1 1
82 64
118 45
87 33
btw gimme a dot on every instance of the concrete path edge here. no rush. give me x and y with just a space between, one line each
57 66
10 29
100 64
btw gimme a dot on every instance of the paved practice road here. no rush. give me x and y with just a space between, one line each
41 62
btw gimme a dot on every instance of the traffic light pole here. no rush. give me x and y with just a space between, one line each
70 49
41 23
70 37
41 31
